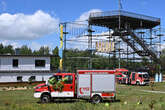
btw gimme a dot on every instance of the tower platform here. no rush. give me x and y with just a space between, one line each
134 21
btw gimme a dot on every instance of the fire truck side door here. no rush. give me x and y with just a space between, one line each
69 85
84 85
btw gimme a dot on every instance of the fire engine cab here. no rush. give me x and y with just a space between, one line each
94 85
139 78
122 76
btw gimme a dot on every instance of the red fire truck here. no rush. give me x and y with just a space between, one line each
122 76
94 85
133 78
139 78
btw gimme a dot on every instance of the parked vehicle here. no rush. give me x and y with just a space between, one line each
139 78
94 85
122 76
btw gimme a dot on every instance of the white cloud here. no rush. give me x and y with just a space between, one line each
79 27
80 43
86 15
27 27
35 46
161 47
13 43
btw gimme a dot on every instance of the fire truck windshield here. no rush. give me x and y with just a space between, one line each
144 75
58 77
125 73
54 79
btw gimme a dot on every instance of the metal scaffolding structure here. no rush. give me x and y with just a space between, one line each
141 33
135 36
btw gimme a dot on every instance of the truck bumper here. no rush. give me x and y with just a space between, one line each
37 94
145 83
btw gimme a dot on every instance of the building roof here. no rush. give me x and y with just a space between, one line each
8 55
29 71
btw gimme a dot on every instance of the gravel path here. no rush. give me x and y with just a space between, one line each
162 92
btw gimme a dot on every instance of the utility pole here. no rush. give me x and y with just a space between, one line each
119 14
90 45
119 53
64 53
120 6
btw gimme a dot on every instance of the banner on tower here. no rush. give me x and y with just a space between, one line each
104 46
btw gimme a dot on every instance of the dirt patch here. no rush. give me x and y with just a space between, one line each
12 88
163 92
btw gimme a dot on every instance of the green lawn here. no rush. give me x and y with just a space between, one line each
128 98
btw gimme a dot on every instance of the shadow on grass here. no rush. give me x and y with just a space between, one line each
61 101
111 101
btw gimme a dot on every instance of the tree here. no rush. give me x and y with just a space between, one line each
44 50
55 51
35 52
24 50
9 49
162 60
1 49
55 59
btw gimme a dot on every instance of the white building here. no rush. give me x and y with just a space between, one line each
23 68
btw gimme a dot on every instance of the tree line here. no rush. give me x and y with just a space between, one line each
24 50
78 59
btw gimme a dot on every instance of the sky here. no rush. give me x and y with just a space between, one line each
35 23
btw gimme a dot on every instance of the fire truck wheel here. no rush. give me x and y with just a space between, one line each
119 81
45 98
137 83
96 99
114 99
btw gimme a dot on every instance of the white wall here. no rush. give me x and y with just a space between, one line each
12 77
24 63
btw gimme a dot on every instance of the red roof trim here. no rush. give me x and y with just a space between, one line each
122 70
96 71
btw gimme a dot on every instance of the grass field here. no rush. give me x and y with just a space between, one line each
127 96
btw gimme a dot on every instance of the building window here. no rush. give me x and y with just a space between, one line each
15 62
19 78
39 63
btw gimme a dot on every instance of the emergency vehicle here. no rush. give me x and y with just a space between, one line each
139 78
133 78
94 85
122 76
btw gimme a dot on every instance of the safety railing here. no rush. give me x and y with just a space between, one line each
124 13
